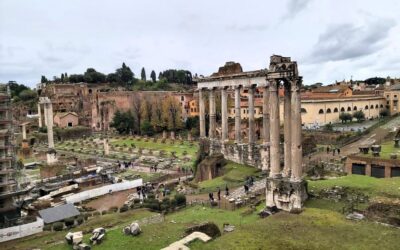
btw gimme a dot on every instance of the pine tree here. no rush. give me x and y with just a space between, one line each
143 74
153 76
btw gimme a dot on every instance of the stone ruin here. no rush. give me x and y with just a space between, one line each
285 187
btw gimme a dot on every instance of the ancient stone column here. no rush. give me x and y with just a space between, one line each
274 129
202 115
40 115
297 151
23 131
251 115
106 147
49 115
286 130
224 114
45 114
265 109
211 96
237 115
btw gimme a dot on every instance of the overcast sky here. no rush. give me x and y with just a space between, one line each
331 40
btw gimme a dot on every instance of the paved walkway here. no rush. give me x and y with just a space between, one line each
181 244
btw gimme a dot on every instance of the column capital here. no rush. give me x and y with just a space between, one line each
295 84
273 85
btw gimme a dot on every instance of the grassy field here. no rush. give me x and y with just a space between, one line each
168 147
320 226
234 176
369 185
387 148
145 176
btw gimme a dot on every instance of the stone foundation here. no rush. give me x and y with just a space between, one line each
285 194
51 157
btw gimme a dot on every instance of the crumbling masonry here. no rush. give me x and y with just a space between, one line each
286 188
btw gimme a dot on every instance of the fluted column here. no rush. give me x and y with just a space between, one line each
274 129
24 131
211 95
237 115
265 110
40 115
297 151
251 114
287 130
49 115
202 115
224 114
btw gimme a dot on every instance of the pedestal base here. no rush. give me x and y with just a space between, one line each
51 158
284 194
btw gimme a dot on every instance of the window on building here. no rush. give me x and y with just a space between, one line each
182 98
303 110
69 124
366 106
381 106
321 111
342 109
335 110
355 108
395 96
348 109
371 107
328 111
376 106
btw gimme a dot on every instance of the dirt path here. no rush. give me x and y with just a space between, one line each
107 201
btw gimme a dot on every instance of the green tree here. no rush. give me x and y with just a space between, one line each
27 95
123 122
344 117
146 128
153 76
92 76
62 77
384 113
359 115
112 78
125 74
143 74
43 79
16 88
76 78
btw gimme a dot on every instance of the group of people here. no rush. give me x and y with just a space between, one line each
124 164
249 182
211 195
153 168
333 150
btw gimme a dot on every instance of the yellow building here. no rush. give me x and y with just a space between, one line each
392 99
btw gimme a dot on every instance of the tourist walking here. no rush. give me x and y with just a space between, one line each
226 190
219 194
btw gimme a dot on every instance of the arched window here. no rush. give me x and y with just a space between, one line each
328 111
355 108
381 106
335 110
366 106
371 107
321 111
342 109
303 110
376 106
348 109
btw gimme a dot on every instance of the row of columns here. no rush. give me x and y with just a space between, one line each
224 115
48 119
271 123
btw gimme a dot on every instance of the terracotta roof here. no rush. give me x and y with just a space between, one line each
331 89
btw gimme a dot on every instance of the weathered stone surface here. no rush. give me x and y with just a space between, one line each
208 228
210 167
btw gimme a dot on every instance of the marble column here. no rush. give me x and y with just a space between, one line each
224 114
237 115
265 110
23 131
202 114
49 114
211 95
40 115
45 114
251 115
297 151
274 129
287 130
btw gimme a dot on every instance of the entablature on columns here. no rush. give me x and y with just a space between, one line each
232 82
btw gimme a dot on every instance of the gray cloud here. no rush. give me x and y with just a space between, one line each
348 41
294 7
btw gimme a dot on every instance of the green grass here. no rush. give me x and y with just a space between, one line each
387 148
234 176
369 185
168 147
117 220
147 177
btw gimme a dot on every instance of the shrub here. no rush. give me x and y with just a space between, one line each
69 222
58 226
104 212
123 208
97 213
180 199
47 227
80 220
